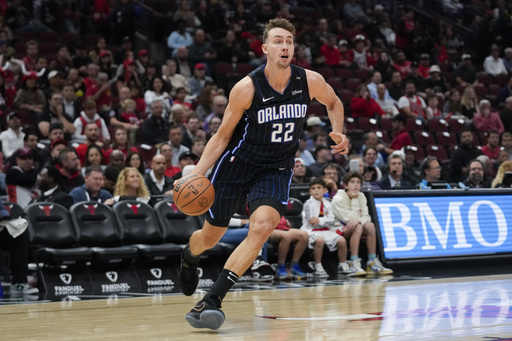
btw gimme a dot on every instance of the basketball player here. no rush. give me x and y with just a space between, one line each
253 152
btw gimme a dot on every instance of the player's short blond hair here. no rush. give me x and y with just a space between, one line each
278 23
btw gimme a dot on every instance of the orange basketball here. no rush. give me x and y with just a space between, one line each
193 194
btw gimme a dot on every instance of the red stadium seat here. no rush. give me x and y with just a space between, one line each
414 124
438 151
352 84
386 124
484 78
350 123
457 125
222 68
446 139
336 83
423 138
346 96
383 135
494 89
317 109
326 72
437 125
362 74
368 124
345 73
501 80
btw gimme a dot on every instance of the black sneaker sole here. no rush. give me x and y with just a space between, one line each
212 319
188 288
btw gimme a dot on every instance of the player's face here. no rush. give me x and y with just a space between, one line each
279 47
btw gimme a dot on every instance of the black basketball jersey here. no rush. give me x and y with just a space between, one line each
268 133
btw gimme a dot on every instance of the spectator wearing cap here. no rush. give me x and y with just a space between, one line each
300 172
323 155
143 58
62 63
487 120
424 67
54 83
21 178
89 115
185 159
412 105
29 97
106 64
198 80
55 113
435 84
359 57
201 51
12 137
48 185
343 48
401 137
179 37
465 73
156 181
493 64
56 147
412 169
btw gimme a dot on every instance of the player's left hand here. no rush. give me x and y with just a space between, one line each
341 141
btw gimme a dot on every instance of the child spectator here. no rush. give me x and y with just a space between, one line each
318 220
351 209
284 235
432 110
129 115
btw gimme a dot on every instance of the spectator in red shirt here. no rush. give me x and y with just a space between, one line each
330 51
401 64
424 67
100 93
401 137
492 148
363 105
487 120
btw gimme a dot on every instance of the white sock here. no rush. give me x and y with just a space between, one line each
318 266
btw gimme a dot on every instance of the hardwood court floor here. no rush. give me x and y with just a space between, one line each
468 308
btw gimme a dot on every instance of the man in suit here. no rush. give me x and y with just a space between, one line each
47 182
394 179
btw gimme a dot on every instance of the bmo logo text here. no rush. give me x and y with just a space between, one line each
418 227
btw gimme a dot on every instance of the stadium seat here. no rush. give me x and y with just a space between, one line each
326 72
457 125
346 96
419 152
52 237
413 124
481 91
177 227
352 84
438 125
494 89
345 73
386 124
293 212
244 68
335 83
423 138
147 152
141 229
96 227
368 124
438 151
383 135
222 68
362 74
483 138
26 118
484 78
350 123
446 139
316 109
501 80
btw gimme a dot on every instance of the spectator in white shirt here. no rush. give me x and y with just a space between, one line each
387 104
493 64
411 104
12 137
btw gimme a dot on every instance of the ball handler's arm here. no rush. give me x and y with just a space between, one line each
323 92
240 99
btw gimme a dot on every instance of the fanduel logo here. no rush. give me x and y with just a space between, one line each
156 272
112 276
436 226
66 278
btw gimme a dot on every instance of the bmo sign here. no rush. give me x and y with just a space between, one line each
417 224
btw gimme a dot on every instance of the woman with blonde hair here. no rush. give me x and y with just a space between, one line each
469 102
131 183
506 166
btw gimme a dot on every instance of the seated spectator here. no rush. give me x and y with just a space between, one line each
323 156
492 148
54 84
465 152
155 128
431 171
62 62
175 136
435 84
401 137
299 172
156 181
424 66
419 82
129 118
12 137
506 115
505 167
120 141
452 106
331 174
167 151
475 176
487 120
55 113
506 142
110 176
351 209
220 104
134 159
21 179
363 105
89 115
56 147
92 136
330 52
412 170
284 236
396 89
79 87
359 57
29 97
402 65
91 190
432 110
384 66
469 103
489 170
198 145
69 167
130 183
157 91
387 105
370 179
100 93
370 159
176 79
47 183
411 105
370 139
394 179
493 64
93 156
505 92
198 80
318 221
465 74
18 248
